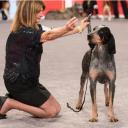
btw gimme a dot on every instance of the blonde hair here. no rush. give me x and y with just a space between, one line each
26 14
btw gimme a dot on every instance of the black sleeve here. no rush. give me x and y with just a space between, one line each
31 35
37 34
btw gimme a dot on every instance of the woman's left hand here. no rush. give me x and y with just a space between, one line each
84 23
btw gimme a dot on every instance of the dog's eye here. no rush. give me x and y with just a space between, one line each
101 32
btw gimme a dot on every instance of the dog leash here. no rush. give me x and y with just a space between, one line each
89 30
82 102
84 92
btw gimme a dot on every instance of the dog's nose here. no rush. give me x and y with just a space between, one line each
89 37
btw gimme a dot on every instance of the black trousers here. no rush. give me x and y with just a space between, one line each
115 8
124 7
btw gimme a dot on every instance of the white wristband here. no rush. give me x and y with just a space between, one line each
80 29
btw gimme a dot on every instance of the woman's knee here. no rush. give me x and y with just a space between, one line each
56 104
51 107
58 109
48 113
53 112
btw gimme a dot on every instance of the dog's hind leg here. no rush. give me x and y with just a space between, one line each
106 94
111 97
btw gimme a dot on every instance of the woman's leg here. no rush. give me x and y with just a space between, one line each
47 110
52 107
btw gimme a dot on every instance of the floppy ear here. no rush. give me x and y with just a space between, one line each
108 38
91 45
111 44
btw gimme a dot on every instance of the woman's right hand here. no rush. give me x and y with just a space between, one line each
71 24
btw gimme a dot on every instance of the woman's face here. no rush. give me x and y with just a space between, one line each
38 17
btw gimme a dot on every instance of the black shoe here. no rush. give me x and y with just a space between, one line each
2 101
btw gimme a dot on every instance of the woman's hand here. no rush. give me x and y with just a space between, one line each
71 24
84 23
77 29
68 29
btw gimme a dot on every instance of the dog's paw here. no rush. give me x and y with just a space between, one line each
93 120
106 104
113 119
78 106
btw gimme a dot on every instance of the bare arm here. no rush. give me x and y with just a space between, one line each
58 32
53 34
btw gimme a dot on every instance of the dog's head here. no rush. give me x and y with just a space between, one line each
102 35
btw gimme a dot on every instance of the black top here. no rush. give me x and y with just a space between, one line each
23 54
22 69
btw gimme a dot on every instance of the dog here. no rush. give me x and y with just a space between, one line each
98 65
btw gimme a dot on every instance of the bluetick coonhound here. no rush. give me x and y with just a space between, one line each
99 66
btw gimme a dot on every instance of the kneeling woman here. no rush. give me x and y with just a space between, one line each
23 55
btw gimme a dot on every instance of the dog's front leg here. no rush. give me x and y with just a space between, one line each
81 92
106 94
111 99
85 70
93 97
112 77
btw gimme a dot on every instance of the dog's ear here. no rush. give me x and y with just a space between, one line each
91 45
111 45
108 38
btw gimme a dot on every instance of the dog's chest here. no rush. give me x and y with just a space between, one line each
100 59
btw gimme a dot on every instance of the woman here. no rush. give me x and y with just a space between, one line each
23 54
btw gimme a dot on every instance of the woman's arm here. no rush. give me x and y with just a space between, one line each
58 32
